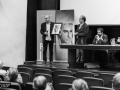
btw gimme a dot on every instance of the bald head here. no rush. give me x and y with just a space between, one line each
1 64
40 82
47 18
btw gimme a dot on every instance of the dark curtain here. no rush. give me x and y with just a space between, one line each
31 32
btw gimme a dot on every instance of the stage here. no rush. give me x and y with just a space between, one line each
65 66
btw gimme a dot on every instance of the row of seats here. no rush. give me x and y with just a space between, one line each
28 74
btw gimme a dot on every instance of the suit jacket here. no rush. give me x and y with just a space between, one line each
43 30
82 33
101 42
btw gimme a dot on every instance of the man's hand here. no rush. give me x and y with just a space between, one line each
46 33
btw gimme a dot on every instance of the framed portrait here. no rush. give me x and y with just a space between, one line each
56 28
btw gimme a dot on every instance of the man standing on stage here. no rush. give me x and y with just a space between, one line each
101 55
81 36
48 38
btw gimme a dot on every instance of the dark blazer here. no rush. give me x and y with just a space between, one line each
101 42
82 33
43 30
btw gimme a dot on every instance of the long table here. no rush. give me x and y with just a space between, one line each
72 50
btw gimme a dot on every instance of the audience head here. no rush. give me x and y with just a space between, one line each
13 74
116 81
100 31
40 83
1 64
47 18
79 84
82 19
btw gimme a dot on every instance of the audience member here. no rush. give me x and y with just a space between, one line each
13 76
79 84
40 83
116 82
2 72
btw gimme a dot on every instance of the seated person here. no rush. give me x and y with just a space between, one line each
117 54
101 55
40 83
79 84
13 76
2 72
116 82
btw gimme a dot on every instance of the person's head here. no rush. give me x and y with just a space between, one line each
67 33
56 28
1 64
82 19
40 82
12 73
100 31
116 81
79 84
47 18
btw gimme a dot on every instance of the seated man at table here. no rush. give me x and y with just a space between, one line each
101 55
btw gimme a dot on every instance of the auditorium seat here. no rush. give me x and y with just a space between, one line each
25 77
13 85
7 89
43 70
29 86
5 68
110 84
99 88
26 70
63 86
107 77
48 76
94 81
81 74
62 72
63 79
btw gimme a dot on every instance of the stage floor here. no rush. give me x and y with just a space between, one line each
65 65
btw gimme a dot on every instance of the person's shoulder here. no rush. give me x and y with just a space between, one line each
85 25
105 35
43 23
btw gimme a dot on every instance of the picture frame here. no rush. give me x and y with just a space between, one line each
56 28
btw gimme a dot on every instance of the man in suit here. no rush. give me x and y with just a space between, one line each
81 36
82 31
101 55
48 38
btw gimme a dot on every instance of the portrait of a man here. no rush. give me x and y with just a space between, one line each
56 28
66 34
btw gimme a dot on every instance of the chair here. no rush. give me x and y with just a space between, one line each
107 77
94 81
63 79
110 84
48 77
25 77
7 89
43 70
15 86
2 77
99 88
81 74
5 68
63 86
62 72
29 86
26 70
